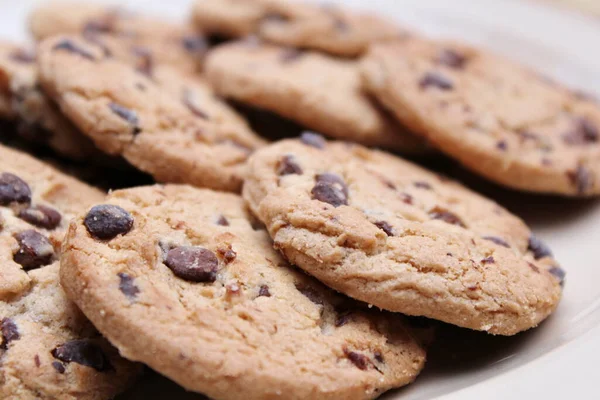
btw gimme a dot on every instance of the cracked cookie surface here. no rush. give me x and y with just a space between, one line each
317 91
125 113
328 28
499 119
392 234
185 280
48 349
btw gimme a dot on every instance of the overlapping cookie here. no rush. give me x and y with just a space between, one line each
170 42
324 27
48 349
394 235
183 280
318 91
498 119
125 113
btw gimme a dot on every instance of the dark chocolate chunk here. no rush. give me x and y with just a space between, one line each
126 285
310 293
227 254
584 132
97 26
359 360
145 61
451 58
378 357
41 216
330 188
488 260
406 198
534 267
288 166
107 221
187 99
538 248
581 178
195 44
71 47
290 55
35 250
22 56
434 79
9 331
13 190
497 240
128 115
313 139
264 291
386 227
422 185
58 366
83 352
559 273
502 145
37 361
446 216
194 264
222 221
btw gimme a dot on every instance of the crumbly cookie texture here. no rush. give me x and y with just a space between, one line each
318 91
176 44
328 28
125 113
39 120
500 120
47 347
389 233
160 263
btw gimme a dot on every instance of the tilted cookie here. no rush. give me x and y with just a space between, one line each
392 234
318 91
180 279
170 42
328 28
127 114
500 120
48 349
39 119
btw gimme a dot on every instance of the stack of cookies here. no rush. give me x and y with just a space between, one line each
258 268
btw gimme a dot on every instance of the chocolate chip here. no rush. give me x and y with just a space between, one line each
107 221
22 56
502 145
288 166
187 99
13 190
9 331
195 44
145 60
98 26
584 132
386 227
378 357
82 352
538 248
264 291
330 188
290 55
37 361
194 264
497 240
433 79
533 267
581 178
422 185
406 198
359 360
446 216
310 293
313 139
451 58
488 260
35 250
222 221
559 273
128 115
41 216
227 254
58 366
126 285
71 47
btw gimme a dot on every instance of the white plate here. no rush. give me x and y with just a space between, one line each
559 358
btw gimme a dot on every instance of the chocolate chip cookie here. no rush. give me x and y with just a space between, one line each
318 91
498 119
184 280
392 234
47 347
170 42
125 113
328 28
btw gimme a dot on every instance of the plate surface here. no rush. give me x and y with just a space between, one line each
468 365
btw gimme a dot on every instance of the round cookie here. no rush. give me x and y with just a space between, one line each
394 235
38 118
328 28
48 349
498 119
127 114
182 280
170 42
318 91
